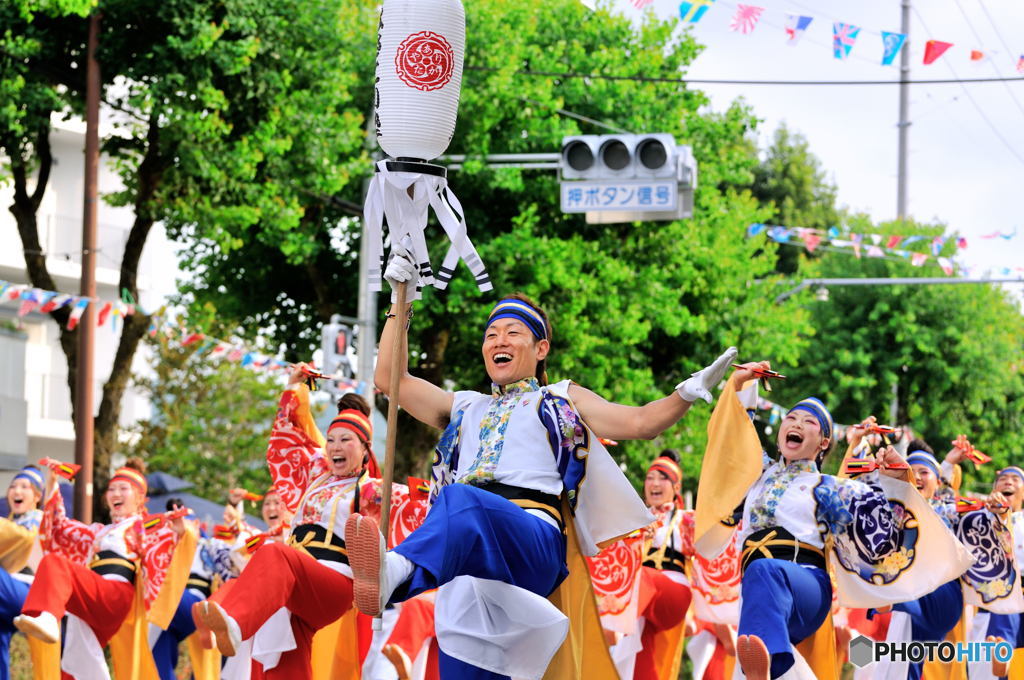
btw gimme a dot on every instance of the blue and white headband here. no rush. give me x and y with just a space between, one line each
512 308
32 476
818 410
1012 470
926 459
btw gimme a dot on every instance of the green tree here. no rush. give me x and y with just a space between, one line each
636 307
951 356
790 180
226 112
211 418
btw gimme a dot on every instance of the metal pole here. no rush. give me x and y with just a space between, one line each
87 325
904 123
367 312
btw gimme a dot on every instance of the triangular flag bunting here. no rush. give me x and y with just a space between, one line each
811 239
933 49
843 37
796 25
891 44
103 314
29 301
893 242
977 56
76 314
875 251
1020 64
947 265
918 259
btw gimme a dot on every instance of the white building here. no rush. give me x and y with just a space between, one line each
35 402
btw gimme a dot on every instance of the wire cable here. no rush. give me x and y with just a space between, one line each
980 110
991 63
680 80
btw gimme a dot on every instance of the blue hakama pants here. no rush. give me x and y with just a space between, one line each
472 532
783 603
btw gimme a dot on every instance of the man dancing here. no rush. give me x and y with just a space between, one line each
515 472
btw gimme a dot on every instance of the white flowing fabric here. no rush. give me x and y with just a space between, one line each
239 666
979 670
900 630
701 648
273 639
939 557
498 627
83 657
625 650
388 199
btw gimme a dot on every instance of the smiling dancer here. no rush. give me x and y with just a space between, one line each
931 617
19 557
791 513
288 592
516 472
665 592
1006 499
124 560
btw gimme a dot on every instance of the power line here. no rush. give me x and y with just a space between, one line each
980 111
715 81
991 63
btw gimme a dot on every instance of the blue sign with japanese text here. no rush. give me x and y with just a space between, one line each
645 195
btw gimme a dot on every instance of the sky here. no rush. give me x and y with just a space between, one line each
963 171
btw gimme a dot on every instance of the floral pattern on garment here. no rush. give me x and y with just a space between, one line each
29 520
776 481
492 429
861 510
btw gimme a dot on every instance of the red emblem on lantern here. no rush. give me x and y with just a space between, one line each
425 61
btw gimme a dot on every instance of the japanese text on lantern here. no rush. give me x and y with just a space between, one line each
425 61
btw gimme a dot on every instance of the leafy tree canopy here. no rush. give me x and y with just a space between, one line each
636 307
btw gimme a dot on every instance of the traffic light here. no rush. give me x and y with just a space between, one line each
627 177
335 340
627 156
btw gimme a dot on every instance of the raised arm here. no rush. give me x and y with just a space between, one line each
425 401
59 533
617 421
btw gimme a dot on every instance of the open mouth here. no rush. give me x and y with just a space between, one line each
794 438
502 358
339 460
273 518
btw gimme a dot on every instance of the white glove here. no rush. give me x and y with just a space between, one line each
401 268
700 384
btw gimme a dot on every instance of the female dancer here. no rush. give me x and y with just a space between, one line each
308 581
789 511
17 544
98 597
665 593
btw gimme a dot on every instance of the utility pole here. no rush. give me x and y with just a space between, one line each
87 326
904 123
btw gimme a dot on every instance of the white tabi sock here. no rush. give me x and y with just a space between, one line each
397 570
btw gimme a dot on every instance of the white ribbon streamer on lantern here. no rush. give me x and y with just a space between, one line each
388 199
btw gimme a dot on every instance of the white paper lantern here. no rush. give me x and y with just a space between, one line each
419 74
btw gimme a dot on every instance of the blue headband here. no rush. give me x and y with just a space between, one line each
819 411
33 477
926 459
511 308
1013 470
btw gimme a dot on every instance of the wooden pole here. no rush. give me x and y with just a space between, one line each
397 348
84 430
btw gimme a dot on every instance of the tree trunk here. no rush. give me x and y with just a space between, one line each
25 210
107 427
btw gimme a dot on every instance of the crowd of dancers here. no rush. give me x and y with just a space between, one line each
527 553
